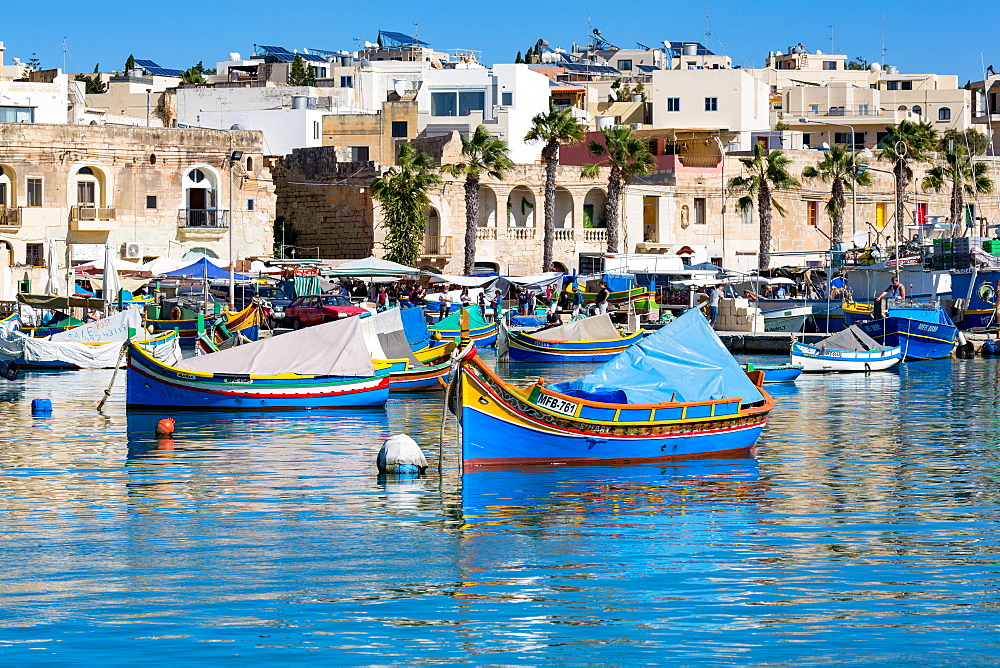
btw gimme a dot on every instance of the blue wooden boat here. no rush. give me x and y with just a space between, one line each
409 370
326 366
593 339
469 325
776 373
246 322
978 290
923 332
845 351
678 394
826 314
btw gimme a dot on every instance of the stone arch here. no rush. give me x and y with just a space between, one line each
201 195
918 110
521 207
88 185
432 233
8 187
487 207
199 252
563 208
593 207
559 266
901 107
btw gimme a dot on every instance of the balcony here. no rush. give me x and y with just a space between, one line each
486 234
595 234
439 246
563 234
92 218
203 219
521 233
10 216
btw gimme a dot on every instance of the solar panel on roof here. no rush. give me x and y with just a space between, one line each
145 63
282 57
647 68
163 72
312 57
272 49
402 39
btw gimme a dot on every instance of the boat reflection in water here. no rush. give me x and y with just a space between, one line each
552 496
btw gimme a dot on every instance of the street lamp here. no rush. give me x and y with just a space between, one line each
861 169
854 189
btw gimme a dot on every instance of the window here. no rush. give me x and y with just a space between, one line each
807 139
150 201
197 175
625 65
880 214
34 192
316 130
457 103
880 138
970 215
892 85
829 64
944 114
812 213
250 160
17 115
318 72
506 99
399 128
711 104
814 109
746 215
906 85
250 204
673 104
700 217
836 111
85 193
34 255
862 110
918 110
359 153
347 82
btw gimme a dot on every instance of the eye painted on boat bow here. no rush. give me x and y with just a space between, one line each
483 401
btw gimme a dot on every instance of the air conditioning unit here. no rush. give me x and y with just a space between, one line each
132 250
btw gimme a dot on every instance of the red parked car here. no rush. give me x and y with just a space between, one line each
316 309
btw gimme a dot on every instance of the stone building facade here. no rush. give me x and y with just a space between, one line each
150 192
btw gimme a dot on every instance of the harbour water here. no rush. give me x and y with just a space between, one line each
864 529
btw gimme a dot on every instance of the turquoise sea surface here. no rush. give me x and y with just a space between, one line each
864 529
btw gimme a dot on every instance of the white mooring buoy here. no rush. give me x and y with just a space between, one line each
401 454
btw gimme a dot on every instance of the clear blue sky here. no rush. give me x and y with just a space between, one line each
921 36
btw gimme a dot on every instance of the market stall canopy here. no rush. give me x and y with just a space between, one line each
60 303
162 265
535 282
201 268
372 267
464 281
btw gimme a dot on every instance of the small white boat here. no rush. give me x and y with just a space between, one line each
848 350
786 319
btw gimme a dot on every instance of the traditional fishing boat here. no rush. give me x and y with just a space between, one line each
677 394
409 370
476 330
190 326
326 366
637 294
594 339
848 350
923 331
791 319
776 373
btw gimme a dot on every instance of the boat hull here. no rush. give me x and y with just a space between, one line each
526 348
779 373
501 427
153 384
788 320
814 359
918 340
419 379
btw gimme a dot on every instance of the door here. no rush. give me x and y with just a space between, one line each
86 194
922 213
880 214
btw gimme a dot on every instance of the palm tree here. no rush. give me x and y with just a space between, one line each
906 143
555 129
484 154
628 156
766 173
402 193
837 168
966 177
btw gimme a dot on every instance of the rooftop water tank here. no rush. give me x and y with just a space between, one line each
300 102
235 57
690 50
890 69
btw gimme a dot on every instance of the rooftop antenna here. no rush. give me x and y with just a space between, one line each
708 33
883 41
416 30
832 49
64 56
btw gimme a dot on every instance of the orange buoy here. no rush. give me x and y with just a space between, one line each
165 427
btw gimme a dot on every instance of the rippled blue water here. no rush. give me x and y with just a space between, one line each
865 529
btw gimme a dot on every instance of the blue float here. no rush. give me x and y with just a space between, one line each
41 406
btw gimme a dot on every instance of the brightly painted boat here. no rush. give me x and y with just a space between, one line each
43 354
326 366
921 331
409 370
826 314
621 297
787 320
678 394
776 373
593 339
978 291
247 322
846 351
468 325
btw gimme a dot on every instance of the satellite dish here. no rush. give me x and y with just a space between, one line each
666 44
399 86
860 239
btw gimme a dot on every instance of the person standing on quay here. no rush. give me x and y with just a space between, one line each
713 303
602 298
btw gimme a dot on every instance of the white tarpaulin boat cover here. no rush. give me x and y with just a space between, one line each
594 328
852 338
332 349
464 281
19 348
386 338
112 328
